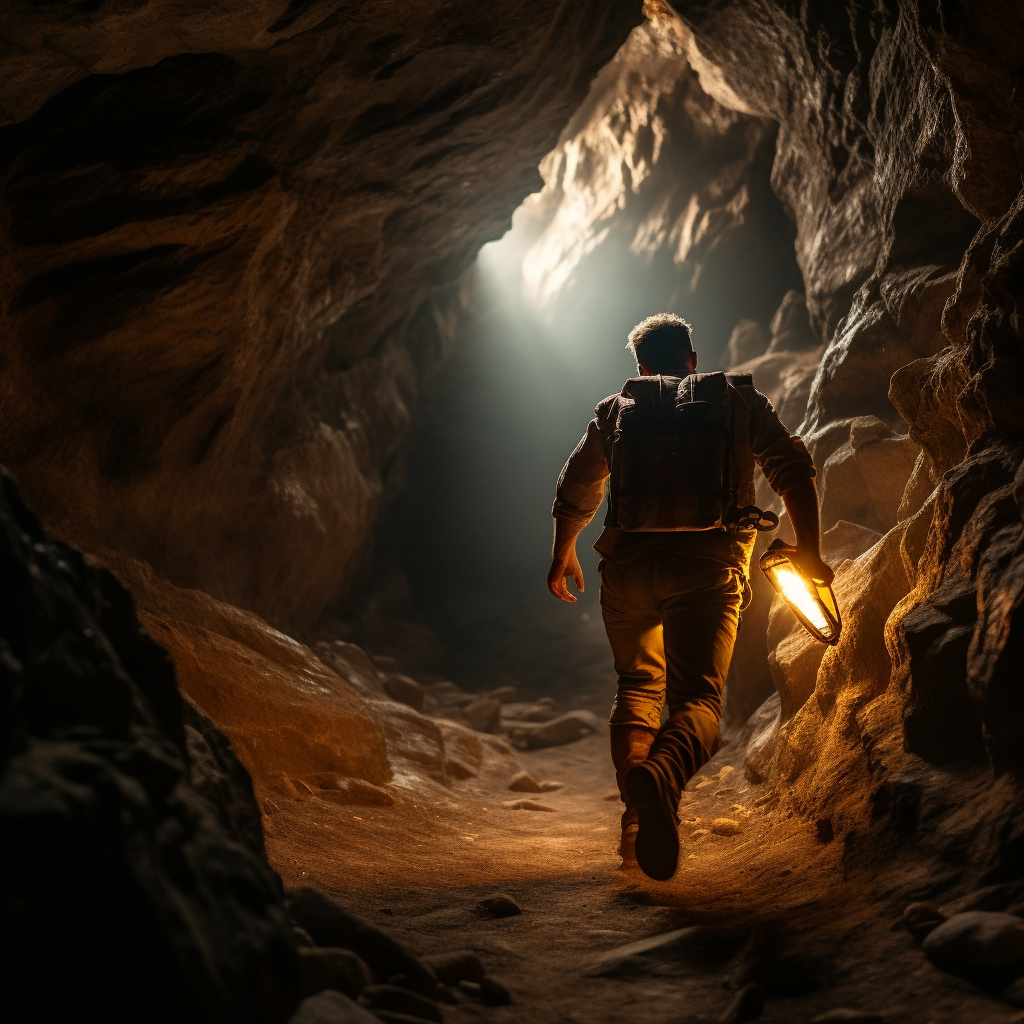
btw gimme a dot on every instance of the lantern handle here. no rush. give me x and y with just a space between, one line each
780 545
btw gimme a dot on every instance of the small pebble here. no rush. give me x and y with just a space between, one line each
524 782
977 938
726 827
499 905
528 805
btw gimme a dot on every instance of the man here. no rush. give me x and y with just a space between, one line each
671 594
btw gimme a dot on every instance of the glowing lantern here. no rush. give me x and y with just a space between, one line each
812 602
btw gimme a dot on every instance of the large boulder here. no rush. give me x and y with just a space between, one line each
122 896
863 481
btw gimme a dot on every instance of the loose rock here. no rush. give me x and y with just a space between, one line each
506 694
400 1000
459 965
331 1007
535 712
922 918
448 694
524 782
499 905
323 967
977 939
347 791
564 729
726 827
330 924
527 805
748 1004
483 714
405 690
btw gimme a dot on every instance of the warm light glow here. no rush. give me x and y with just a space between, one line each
797 591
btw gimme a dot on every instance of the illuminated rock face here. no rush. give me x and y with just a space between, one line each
896 158
655 180
222 234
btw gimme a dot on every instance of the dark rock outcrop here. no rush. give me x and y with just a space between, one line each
123 898
898 156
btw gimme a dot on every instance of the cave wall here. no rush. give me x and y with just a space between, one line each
899 156
222 230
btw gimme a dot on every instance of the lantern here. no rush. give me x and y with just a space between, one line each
812 602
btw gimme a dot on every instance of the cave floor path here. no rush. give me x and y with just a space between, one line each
419 869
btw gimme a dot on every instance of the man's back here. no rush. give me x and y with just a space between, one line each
675 554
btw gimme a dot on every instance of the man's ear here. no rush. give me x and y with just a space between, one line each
691 362
642 370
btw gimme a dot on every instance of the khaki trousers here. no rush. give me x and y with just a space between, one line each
671 620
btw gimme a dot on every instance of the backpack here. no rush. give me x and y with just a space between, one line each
671 454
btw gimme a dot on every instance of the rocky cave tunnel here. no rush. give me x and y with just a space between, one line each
296 338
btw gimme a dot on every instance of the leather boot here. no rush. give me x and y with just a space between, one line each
630 744
656 846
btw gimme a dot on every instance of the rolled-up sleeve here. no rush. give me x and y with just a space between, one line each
785 461
581 483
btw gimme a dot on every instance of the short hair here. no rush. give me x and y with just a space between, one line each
662 343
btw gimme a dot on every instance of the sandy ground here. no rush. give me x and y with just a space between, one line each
418 869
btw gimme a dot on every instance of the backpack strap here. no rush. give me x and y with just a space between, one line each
742 449
708 387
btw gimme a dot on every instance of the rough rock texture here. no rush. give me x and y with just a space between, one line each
306 725
222 231
123 898
655 179
899 158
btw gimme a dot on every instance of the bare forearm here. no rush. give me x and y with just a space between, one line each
566 532
564 562
802 505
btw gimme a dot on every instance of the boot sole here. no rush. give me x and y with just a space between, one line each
657 841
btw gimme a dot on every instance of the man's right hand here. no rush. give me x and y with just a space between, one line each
562 567
813 565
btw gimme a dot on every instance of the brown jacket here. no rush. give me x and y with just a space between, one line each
759 437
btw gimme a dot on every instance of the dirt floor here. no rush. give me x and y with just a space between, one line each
767 903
